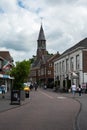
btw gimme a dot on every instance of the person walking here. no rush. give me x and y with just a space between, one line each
3 92
35 86
80 90
73 87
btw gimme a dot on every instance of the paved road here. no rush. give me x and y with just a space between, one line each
82 117
44 111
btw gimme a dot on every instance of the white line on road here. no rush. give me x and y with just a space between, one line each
61 97
46 95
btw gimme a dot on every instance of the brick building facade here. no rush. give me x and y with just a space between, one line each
42 69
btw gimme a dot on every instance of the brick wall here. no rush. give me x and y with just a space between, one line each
84 61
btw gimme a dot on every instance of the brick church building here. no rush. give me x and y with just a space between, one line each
42 69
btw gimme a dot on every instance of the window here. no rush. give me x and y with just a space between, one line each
60 67
38 72
67 65
49 72
42 71
77 62
63 67
50 64
57 67
33 73
72 64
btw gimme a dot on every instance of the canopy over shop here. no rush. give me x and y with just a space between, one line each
7 81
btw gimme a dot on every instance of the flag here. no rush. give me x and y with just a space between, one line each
7 66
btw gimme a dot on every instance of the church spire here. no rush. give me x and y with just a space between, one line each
41 43
41 34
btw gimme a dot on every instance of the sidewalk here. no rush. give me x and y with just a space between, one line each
5 103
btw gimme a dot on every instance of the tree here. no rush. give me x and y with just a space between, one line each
32 59
20 73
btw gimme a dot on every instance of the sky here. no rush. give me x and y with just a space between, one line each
64 23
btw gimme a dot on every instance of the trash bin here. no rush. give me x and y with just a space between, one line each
15 97
27 94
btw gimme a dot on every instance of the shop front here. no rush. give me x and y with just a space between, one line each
6 81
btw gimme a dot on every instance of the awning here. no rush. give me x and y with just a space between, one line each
6 76
74 75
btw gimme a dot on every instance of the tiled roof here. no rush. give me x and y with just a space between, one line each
43 60
6 55
82 43
36 63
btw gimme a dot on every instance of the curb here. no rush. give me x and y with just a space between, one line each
77 116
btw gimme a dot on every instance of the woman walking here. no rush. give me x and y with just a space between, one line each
80 90
73 89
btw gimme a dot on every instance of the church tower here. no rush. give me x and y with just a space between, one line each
41 43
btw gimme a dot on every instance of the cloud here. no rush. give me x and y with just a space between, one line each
64 24
60 2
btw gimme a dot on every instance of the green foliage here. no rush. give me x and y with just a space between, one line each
49 53
32 60
20 72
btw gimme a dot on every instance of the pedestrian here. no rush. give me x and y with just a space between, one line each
31 86
3 92
80 90
45 86
36 86
73 87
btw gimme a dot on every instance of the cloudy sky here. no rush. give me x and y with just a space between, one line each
64 23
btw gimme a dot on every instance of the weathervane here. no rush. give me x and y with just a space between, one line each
41 19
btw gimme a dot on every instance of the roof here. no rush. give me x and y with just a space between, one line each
53 57
36 63
41 34
82 43
6 55
40 61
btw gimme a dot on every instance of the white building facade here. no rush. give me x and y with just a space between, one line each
72 66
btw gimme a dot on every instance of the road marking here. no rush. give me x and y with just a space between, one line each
46 95
61 97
